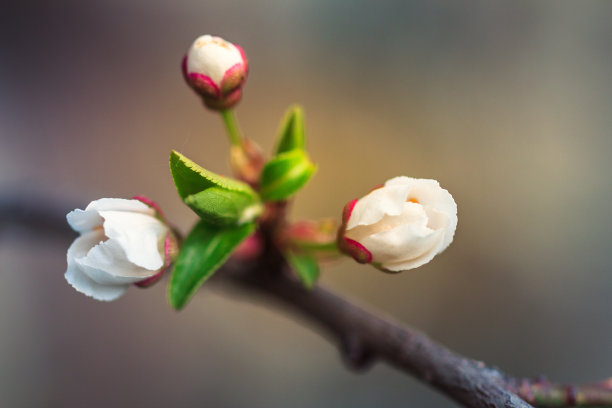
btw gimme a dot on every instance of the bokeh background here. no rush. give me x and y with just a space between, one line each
507 104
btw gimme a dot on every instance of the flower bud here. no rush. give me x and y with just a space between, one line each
247 160
122 242
400 225
216 70
318 238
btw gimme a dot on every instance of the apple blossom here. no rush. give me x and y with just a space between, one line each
122 242
216 69
400 225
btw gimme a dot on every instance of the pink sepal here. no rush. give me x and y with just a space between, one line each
150 281
170 252
348 210
356 250
152 204
226 102
245 61
203 85
233 78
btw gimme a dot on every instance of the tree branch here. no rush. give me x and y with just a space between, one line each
364 337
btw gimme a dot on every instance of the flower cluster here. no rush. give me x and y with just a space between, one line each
398 226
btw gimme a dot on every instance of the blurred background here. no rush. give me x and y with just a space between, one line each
507 104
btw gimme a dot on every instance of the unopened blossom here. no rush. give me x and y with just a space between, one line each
216 69
122 242
400 225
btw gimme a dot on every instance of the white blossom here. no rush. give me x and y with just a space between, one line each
122 242
401 225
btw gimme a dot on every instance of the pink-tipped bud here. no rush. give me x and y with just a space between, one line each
247 160
216 70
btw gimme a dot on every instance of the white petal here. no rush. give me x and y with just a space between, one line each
408 181
447 223
440 207
120 204
378 203
406 242
400 181
88 219
212 56
107 264
79 279
82 283
414 262
83 244
438 203
140 236
412 213
83 221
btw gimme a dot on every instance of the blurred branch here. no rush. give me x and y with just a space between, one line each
35 213
364 337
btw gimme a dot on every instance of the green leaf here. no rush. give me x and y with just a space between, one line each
222 207
305 266
204 250
285 174
190 178
291 133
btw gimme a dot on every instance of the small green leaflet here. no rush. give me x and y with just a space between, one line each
222 207
190 178
204 250
285 174
305 266
291 133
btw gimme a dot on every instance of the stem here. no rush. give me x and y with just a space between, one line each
331 247
543 393
232 127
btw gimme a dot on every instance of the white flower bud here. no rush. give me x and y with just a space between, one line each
399 226
216 70
122 242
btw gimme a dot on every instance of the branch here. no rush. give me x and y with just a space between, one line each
362 336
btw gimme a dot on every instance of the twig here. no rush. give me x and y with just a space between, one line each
541 392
